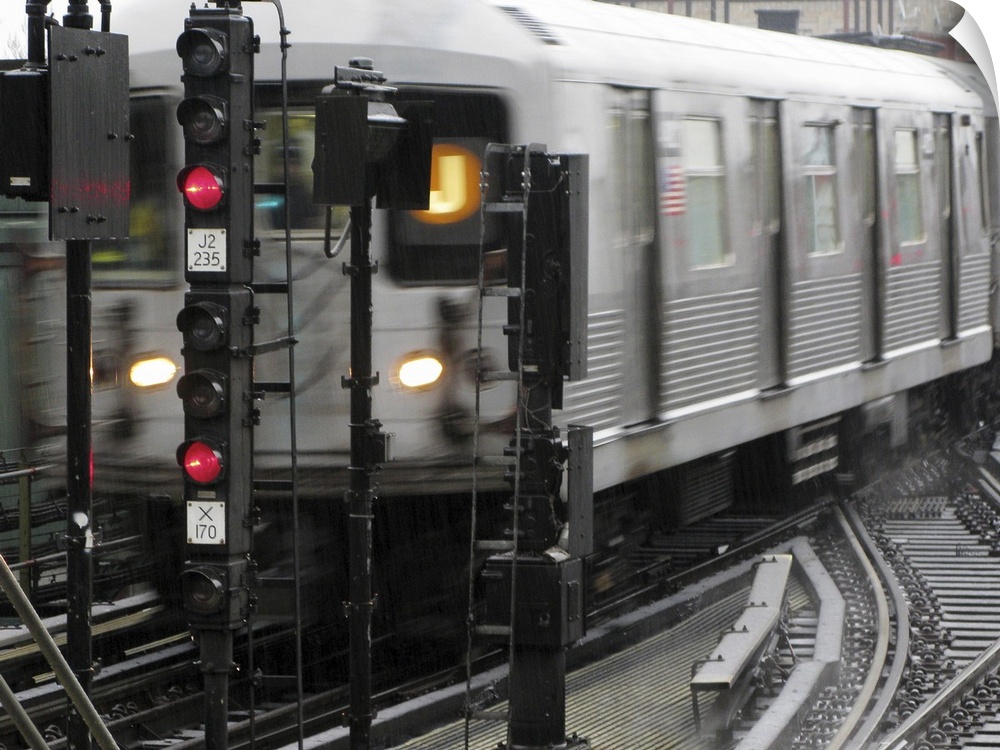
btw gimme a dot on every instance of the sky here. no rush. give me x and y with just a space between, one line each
986 13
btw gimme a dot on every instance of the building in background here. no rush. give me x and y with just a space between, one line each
924 20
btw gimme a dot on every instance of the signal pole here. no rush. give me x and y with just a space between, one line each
79 449
536 591
216 49
364 462
364 148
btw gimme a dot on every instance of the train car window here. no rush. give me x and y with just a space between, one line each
820 169
909 211
149 256
306 217
705 177
441 245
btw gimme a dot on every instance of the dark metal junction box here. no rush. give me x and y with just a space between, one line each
549 595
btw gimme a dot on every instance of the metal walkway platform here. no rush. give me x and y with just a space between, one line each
612 699
633 691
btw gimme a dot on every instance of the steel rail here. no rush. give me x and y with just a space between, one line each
928 714
850 734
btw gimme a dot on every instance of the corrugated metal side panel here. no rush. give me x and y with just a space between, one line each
597 401
974 300
913 304
710 347
824 324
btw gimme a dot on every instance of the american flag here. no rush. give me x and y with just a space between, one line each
673 195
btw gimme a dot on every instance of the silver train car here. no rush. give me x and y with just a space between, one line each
791 246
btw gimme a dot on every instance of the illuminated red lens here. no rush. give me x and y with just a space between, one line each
202 188
202 463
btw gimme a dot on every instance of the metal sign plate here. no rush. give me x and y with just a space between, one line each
206 523
206 250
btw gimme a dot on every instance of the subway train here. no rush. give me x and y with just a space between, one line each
791 258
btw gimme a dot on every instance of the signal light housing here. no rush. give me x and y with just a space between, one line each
214 593
217 115
204 325
203 591
203 119
203 393
552 249
216 390
204 52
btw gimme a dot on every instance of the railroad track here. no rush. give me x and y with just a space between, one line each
152 698
925 679
910 558
638 696
938 527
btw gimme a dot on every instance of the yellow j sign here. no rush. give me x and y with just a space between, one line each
454 185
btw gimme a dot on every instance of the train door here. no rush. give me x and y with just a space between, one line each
767 169
630 139
825 283
913 311
865 231
970 236
711 276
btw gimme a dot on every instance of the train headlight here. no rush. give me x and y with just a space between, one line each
420 370
149 373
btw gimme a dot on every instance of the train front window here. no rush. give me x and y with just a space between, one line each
147 257
306 218
441 245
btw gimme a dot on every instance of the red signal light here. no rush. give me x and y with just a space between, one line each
202 462
202 186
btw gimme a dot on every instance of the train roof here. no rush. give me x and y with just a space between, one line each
469 42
